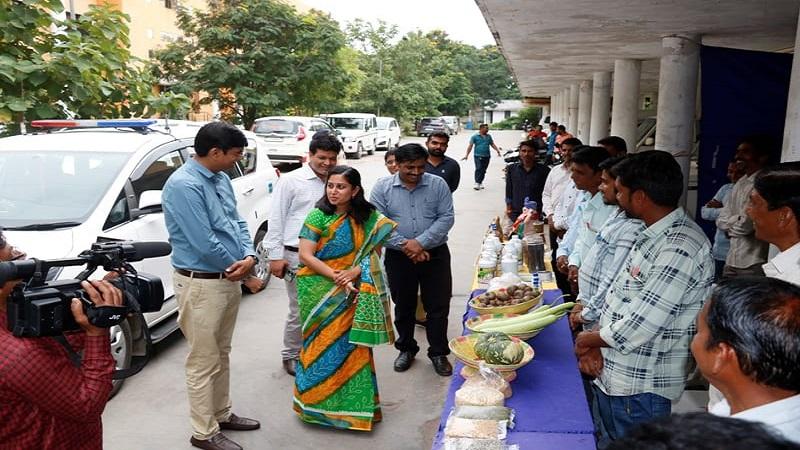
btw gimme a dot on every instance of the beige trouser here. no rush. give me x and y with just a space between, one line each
207 315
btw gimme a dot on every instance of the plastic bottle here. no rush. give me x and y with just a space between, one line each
487 269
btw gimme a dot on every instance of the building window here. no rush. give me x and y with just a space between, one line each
168 37
69 16
170 4
507 114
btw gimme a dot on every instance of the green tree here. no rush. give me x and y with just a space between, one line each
257 57
425 73
488 72
51 68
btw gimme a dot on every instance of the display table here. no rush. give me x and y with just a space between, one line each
548 396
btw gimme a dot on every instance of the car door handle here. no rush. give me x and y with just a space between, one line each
249 191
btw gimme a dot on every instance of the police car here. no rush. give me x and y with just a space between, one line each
76 182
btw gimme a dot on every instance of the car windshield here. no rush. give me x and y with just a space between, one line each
383 124
346 123
54 187
275 126
432 122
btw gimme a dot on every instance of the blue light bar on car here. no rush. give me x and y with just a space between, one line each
109 123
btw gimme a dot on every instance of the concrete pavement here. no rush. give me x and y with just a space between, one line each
151 410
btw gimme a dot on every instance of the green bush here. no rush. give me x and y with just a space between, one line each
532 113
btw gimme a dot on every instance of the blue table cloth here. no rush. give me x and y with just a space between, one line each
548 396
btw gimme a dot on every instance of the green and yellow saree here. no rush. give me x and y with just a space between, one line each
335 384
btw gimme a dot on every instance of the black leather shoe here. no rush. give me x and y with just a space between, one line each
217 442
403 361
289 365
442 366
240 423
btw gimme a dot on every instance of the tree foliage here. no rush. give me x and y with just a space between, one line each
424 73
51 68
257 57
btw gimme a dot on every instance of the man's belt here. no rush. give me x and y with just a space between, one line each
201 275
291 249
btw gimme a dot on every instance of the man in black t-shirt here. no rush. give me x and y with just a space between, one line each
440 165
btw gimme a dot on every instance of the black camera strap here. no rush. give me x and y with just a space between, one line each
73 356
137 362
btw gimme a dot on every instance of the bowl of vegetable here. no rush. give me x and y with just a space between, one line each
513 299
523 326
498 351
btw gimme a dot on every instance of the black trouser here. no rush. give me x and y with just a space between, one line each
562 281
434 281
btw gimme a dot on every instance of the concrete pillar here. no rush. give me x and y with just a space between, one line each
565 108
574 90
601 107
560 107
584 110
677 93
556 100
625 108
791 131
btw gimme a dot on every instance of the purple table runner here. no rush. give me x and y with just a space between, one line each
548 397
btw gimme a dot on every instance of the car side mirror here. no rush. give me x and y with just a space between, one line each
149 203
338 132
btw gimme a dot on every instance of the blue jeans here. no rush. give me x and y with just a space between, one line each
615 415
481 164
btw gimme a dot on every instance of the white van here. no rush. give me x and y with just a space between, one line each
82 182
358 131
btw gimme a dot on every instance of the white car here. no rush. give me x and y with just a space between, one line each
388 133
453 123
287 137
66 188
358 132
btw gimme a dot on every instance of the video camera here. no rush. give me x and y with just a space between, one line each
37 307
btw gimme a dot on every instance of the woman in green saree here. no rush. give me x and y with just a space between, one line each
344 306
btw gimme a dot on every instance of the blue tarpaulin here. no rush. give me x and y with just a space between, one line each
743 92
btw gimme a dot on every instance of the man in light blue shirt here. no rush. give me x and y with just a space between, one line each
417 256
710 211
591 214
211 252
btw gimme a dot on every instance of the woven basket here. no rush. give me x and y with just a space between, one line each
510 309
463 347
474 321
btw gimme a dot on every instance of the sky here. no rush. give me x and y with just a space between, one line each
461 19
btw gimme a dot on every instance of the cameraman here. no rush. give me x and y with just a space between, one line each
46 400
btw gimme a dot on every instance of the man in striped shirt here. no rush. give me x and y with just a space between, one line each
605 258
640 353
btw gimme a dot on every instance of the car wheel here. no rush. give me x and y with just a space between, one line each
261 269
121 350
374 146
359 151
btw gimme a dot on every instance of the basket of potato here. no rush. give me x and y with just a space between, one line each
518 298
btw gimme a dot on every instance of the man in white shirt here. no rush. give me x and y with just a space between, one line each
774 209
747 253
748 346
295 196
558 203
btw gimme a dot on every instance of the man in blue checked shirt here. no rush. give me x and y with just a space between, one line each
212 253
640 352
604 260
590 215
